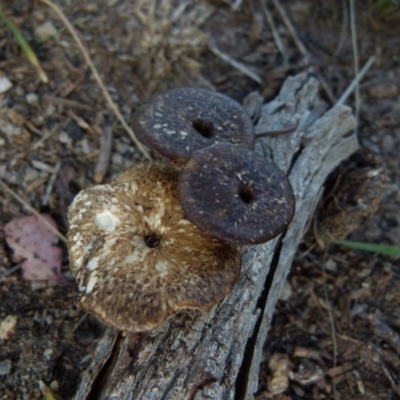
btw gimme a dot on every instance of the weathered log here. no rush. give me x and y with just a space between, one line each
216 354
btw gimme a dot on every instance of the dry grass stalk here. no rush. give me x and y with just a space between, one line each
104 156
275 33
235 64
286 20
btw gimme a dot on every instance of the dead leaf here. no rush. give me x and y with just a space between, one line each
34 244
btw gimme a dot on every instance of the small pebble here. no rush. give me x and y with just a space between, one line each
85 146
64 138
45 31
74 130
5 367
47 354
117 159
387 143
49 319
55 385
13 177
50 110
331 265
32 98
7 327
120 147
31 174
5 84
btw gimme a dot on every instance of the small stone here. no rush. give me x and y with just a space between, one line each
358 309
279 365
31 174
307 373
38 285
13 177
5 367
5 84
47 354
55 385
64 138
32 98
388 143
331 265
85 146
117 159
45 31
50 110
7 327
121 147
74 130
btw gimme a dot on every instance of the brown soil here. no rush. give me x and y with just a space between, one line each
139 50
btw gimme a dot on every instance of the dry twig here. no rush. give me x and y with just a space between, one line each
235 64
299 44
50 185
355 82
356 59
67 102
275 34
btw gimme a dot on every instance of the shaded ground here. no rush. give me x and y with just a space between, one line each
139 51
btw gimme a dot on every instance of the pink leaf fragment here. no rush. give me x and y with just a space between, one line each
34 243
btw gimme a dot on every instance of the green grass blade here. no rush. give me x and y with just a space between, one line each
30 54
375 248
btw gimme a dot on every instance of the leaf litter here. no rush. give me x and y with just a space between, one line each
34 243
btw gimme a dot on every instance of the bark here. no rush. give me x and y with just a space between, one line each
216 355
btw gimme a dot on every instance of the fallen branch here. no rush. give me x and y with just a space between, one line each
217 354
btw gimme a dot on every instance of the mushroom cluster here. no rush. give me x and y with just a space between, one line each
164 236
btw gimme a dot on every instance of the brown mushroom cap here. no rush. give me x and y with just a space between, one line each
135 256
235 194
180 121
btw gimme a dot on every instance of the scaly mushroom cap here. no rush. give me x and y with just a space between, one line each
180 121
137 259
235 194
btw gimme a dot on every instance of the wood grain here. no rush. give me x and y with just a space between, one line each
216 355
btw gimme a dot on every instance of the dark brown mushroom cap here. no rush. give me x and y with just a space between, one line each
135 256
180 121
235 194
